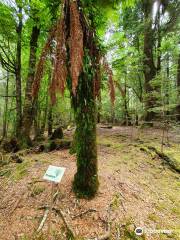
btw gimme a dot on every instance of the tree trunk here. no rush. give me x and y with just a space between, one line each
28 111
50 120
178 89
86 179
149 67
99 108
167 86
158 43
127 116
4 135
37 116
18 75
43 125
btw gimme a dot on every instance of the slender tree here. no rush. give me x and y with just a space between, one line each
149 67
4 135
28 111
18 73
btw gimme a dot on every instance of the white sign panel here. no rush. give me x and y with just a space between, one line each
54 174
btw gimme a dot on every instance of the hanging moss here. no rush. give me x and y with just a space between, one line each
85 183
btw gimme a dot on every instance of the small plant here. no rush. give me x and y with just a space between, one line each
36 190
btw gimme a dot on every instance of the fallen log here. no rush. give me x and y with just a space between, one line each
53 145
171 162
106 126
58 144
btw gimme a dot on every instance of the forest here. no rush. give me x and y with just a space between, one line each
89 119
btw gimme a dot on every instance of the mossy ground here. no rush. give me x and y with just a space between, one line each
136 190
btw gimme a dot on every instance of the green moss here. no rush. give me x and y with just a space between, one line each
73 145
128 232
176 210
153 217
40 236
85 183
161 206
115 202
6 172
110 142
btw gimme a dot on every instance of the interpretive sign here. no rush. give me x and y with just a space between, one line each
54 174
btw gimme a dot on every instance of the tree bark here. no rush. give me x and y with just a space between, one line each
36 118
149 67
4 135
43 125
18 75
86 180
50 120
28 111
158 43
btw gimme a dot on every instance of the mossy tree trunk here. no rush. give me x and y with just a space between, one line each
18 74
86 179
29 104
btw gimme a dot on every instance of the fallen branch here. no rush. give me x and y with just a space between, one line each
83 213
68 228
36 181
46 213
43 220
106 126
169 161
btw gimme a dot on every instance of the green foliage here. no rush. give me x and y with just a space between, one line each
36 190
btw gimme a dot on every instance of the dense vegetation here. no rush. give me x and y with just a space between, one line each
72 64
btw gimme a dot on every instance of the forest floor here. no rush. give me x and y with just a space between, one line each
137 189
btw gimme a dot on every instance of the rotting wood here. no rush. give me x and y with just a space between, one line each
168 160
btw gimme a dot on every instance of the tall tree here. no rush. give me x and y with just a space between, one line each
10 56
4 134
149 67
28 111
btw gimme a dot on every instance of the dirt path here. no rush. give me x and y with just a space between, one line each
135 190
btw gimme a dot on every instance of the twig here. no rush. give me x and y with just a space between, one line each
43 220
36 181
68 228
83 213
46 213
